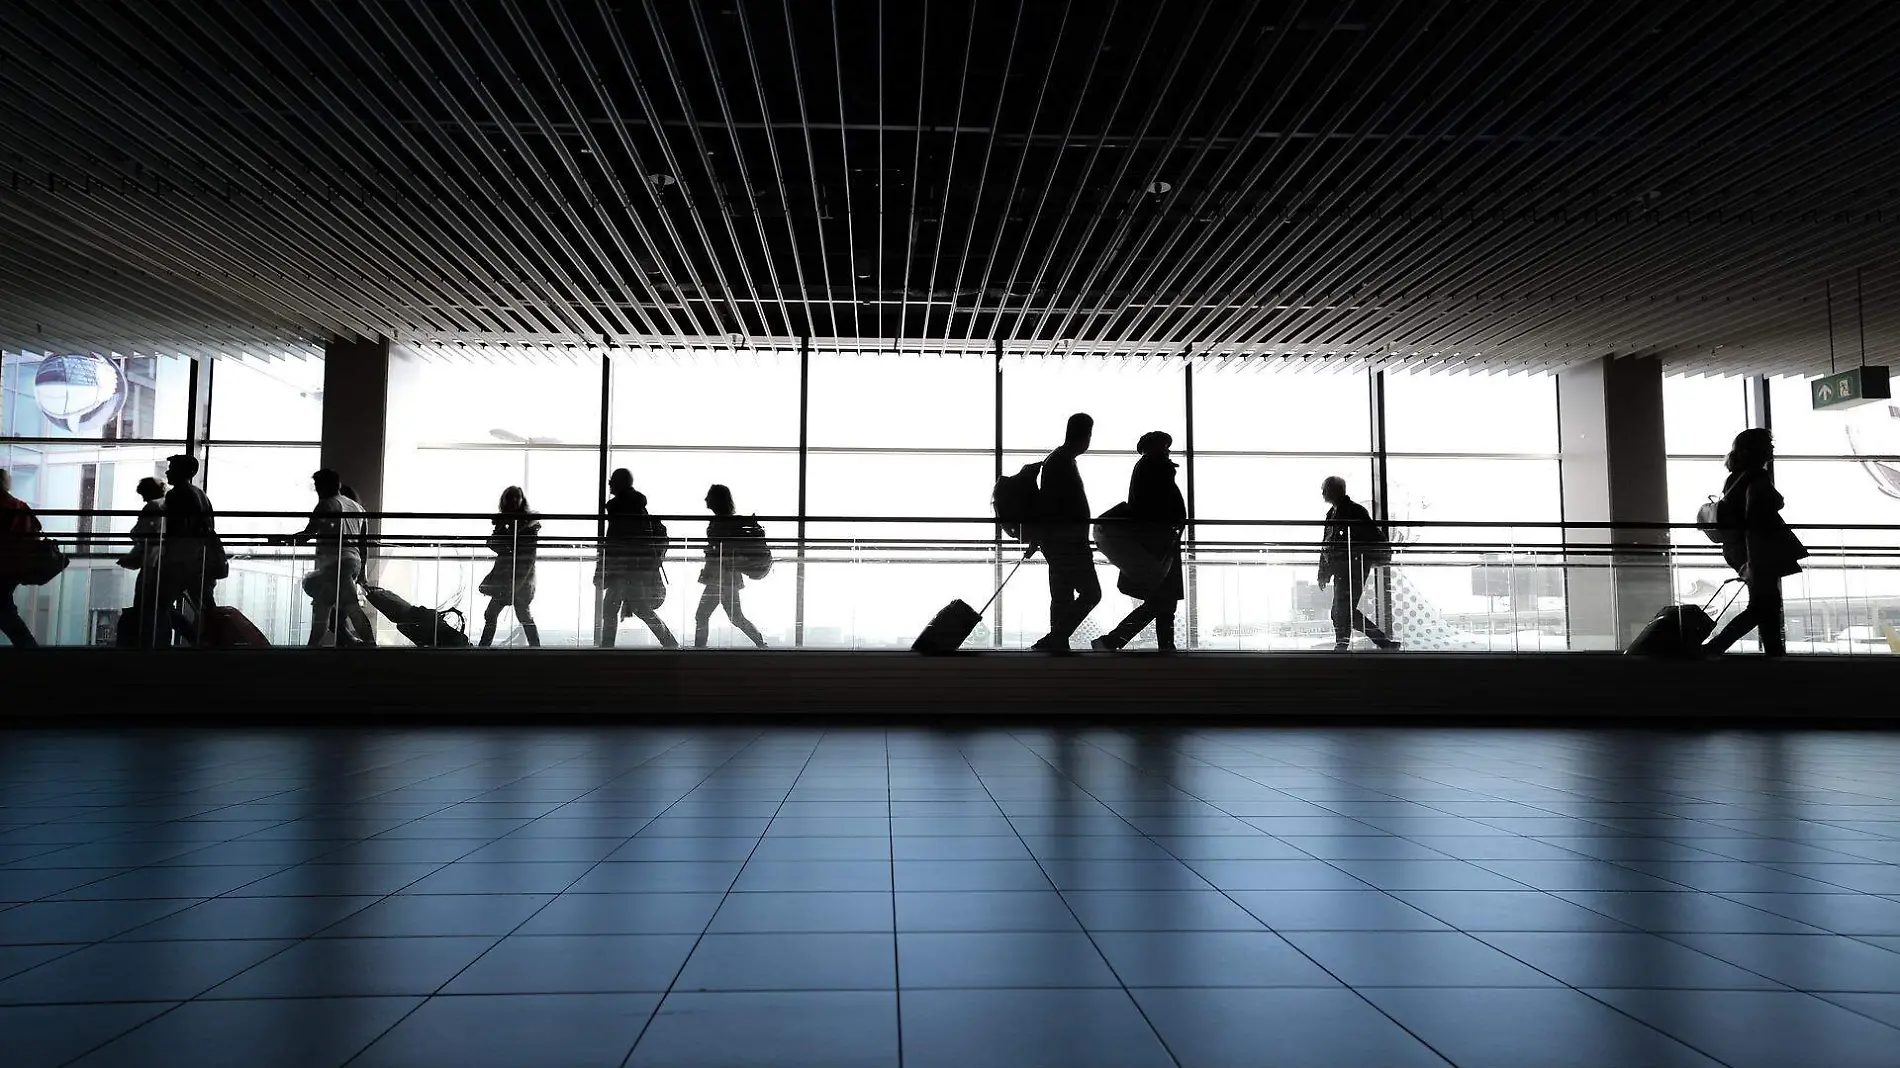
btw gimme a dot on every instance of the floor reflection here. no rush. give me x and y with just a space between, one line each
995 897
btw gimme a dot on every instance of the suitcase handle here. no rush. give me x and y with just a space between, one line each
1718 592
1005 582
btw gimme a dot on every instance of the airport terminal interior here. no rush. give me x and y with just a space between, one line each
559 534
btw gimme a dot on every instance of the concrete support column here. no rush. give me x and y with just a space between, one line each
1610 421
355 418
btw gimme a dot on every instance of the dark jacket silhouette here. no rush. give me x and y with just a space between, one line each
1753 532
1062 505
1155 501
1351 540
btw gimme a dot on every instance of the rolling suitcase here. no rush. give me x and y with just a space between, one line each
426 628
951 627
1679 629
227 628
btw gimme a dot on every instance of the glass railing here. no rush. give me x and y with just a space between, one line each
872 583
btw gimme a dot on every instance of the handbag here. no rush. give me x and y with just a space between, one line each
43 563
1706 519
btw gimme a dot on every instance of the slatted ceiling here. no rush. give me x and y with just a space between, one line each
1497 186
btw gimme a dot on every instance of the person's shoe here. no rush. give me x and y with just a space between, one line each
1049 643
1342 647
1105 644
1386 644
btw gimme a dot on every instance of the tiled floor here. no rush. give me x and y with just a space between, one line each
648 897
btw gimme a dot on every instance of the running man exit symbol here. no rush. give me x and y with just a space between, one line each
1849 388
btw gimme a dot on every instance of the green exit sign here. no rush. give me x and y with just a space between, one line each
1848 388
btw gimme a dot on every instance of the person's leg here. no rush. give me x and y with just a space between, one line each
1088 589
1074 591
322 614
702 616
11 623
1164 627
1130 627
736 613
1343 594
1765 596
350 608
1360 621
607 628
661 632
1061 594
490 616
524 615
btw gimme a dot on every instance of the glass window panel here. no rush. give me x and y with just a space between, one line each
675 481
1701 416
1869 430
1271 488
84 476
441 562
704 398
438 397
266 400
1487 494
1126 400
1456 412
1822 493
871 585
86 395
260 478
902 401
1280 411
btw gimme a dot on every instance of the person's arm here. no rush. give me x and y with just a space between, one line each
317 525
1326 551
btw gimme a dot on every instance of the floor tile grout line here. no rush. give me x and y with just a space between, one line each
897 960
525 920
1060 896
1269 927
736 876
310 937
1402 901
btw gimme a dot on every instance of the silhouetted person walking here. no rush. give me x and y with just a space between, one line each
1062 533
721 575
631 575
337 531
144 559
1159 515
1756 542
515 541
19 535
193 558
1351 548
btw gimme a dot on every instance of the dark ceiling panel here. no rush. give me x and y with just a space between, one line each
1495 183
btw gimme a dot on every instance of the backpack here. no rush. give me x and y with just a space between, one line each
653 539
1379 550
1015 500
752 556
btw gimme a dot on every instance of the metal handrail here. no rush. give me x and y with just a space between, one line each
990 521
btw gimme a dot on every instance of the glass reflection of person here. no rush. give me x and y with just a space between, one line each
1756 542
721 575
